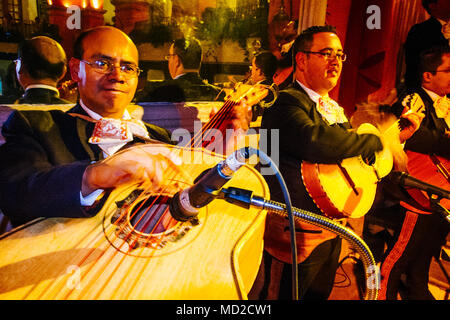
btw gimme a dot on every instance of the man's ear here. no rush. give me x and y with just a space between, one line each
426 77
178 62
300 59
74 65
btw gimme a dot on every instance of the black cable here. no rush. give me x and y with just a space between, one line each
287 199
345 274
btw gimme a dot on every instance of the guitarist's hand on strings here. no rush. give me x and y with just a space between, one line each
390 138
239 117
133 165
412 120
236 114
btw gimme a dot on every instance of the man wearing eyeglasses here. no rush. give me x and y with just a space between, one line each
435 31
184 62
314 128
59 164
417 234
54 163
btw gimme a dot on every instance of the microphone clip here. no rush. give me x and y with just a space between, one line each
437 207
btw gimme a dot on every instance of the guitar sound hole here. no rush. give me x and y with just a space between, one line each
152 216
144 221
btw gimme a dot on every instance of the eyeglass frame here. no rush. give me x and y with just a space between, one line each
328 56
112 66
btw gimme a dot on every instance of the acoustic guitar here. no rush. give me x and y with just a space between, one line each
431 169
348 189
134 249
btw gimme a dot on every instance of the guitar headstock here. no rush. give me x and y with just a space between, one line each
250 94
412 104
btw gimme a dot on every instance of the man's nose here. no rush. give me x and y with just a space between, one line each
334 61
116 74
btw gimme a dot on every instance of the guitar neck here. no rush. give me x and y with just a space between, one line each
220 122
393 131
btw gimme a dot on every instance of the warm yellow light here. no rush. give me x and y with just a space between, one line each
67 3
84 4
50 2
96 4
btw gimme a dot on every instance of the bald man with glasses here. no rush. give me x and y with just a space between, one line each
59 164
52 163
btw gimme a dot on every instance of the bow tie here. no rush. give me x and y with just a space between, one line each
442 107
112 134
117 131
331 111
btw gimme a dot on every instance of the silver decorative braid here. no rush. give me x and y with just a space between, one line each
371 270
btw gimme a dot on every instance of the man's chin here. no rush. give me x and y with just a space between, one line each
115 106
332 83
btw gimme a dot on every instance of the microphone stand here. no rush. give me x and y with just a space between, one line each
437 207
244 198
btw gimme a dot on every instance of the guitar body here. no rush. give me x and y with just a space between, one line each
431 169
105 257
346 190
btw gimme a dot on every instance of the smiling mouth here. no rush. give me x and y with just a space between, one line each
333 72
113 90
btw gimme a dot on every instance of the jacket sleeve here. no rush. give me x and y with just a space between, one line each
429 141
30 185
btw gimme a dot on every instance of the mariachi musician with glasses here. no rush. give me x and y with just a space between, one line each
313 128
55 164
418 227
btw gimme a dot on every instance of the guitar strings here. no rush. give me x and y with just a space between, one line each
88 272
216 121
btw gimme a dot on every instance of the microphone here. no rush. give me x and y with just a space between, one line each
406 180
207 185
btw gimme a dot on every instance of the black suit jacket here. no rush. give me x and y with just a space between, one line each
188 87
304 135
41 96
420 37
43 160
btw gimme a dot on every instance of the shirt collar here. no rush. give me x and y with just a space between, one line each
96 116
434 96
314 96
180 75
42 86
